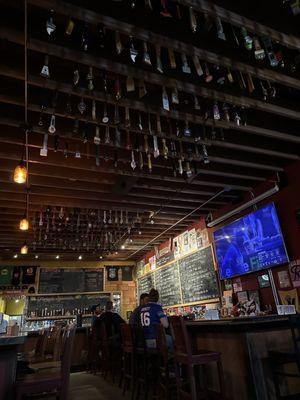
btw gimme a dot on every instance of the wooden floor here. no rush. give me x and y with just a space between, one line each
90 387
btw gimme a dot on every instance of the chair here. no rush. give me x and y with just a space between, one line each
166 360
93 356
189 388
129 371
54 380
279 359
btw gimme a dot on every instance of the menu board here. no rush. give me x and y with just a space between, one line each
168 284
198 277
164 259
145 284
70 280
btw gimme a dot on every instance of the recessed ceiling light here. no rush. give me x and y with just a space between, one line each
123 247
79 257
116 252
36 256
140 232
100 257
57 257
16 256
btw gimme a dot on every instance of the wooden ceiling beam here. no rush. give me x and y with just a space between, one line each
35 144
113 24
173 114
214 10
151 77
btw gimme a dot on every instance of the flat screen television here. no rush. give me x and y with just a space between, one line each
251 243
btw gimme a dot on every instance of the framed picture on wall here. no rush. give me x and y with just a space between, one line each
284 279
263 281
127 273
112 273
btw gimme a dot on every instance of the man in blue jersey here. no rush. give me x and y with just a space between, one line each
151 314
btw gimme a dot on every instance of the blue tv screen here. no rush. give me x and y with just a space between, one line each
251 243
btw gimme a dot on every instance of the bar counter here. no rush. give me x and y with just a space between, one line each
8 362
244 344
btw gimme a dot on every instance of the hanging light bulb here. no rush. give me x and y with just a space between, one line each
24 224
24 248
20 173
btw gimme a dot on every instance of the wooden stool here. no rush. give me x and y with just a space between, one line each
279 359
53 380
185 358
128 365
166 359
147 362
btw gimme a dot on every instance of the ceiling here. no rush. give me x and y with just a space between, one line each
227 130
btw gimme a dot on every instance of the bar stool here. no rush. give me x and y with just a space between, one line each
146 360
166 360
184 357
279 359
128 377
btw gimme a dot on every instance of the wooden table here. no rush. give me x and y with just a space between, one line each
244 344
8 364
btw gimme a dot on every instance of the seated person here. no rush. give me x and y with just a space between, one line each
151 314
96 311
135 317
112 322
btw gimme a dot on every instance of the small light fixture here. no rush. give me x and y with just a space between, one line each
20 173
123 247
140 232
116 252
24 248
24 224
36 256
57 257
17 300
16 256
100 257
79 257
130 240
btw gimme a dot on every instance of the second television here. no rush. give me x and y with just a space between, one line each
251 243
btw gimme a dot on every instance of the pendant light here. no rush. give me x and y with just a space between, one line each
20 173
24 248
24 224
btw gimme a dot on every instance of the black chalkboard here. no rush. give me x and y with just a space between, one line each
168 284
55 305
70 280
145 284
164 259
198 277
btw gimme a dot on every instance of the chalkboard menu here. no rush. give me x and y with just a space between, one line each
70 280
168 284
145 284
38 305
164 259
198 277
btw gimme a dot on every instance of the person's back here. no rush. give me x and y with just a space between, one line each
151 314
135 317
111 320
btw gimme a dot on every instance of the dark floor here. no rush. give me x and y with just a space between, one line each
84 386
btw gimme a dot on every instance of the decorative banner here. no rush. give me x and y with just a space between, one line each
29 274
112 273
16 276
127 273
5 275
294 268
